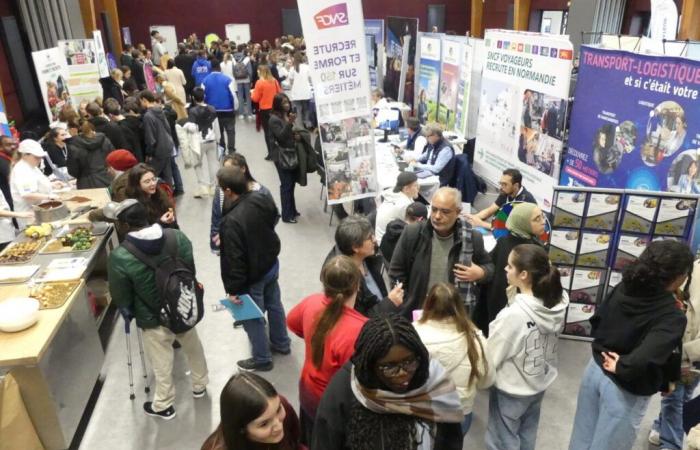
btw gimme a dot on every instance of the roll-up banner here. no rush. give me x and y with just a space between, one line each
399 66
335 46
464 88
80 57
428 89
524 91
4 124
449 82
52 74
635 123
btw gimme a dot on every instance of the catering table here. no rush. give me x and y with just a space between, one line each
57 361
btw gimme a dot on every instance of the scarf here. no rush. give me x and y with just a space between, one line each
518 222
436 401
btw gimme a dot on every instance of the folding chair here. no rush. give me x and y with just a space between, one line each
127 315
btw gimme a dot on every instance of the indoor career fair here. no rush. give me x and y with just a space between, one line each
330 56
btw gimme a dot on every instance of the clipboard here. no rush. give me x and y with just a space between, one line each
248 310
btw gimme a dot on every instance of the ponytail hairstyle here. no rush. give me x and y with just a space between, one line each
341 280
545 279
87 129
661 263
444 303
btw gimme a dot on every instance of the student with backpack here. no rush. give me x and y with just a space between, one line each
242 73
523 347
152 278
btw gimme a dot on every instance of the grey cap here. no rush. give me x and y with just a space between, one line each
113 209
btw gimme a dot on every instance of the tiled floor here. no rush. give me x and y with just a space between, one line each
120 424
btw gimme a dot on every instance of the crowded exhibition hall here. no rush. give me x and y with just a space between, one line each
350 225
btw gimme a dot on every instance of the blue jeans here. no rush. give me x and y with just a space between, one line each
177 178
669 424
245 107
607 417
513 421
266 293
467 424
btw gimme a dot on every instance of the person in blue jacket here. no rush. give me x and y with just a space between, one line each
220 92
201 68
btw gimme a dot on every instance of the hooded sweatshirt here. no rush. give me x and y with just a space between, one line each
523 345
86 160
393 207
200 69
644 331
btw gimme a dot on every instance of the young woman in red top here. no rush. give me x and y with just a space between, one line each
263 93
329 325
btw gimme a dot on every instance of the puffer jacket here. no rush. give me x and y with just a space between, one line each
86 161
450 346
132 284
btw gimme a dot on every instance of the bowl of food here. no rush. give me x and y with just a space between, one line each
50 211
18 313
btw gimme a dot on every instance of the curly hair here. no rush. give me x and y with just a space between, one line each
657 267
397 431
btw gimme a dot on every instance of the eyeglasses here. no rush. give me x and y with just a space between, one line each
394 369
443 211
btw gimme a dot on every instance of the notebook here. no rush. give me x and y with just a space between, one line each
246 311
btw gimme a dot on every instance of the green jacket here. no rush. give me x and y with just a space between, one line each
132 284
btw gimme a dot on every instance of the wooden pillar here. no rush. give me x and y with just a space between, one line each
477 19
110 6
690 20
521 16
87 10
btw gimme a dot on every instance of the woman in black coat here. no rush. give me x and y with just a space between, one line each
87 153
525 224
354 237
281 136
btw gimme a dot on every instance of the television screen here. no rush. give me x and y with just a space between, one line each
388 119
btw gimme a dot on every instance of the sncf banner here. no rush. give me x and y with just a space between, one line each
335 46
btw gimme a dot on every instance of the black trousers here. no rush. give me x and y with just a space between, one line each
227 127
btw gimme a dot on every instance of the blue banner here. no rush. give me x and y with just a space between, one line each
635 123
374 35
4 126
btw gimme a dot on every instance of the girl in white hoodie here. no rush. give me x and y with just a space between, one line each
456 343
523 347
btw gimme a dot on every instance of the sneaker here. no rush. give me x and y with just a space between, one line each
251 117
166 414
249 365
199 394
654 437
281 352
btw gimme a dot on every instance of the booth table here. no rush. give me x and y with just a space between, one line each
57 361
388 169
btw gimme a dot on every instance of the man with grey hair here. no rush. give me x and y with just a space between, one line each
438 158
431 252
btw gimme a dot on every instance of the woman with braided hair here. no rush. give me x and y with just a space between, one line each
390 396
329 325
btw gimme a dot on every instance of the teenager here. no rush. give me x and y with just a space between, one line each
452 339
391 396
523 347
254 416
329 325
637 334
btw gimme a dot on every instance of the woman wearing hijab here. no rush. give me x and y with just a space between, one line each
525 223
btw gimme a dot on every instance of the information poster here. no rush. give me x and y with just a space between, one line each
374 30
428 93
449 83
335 43
635 123
464 88
524 91
478 58
80 56
102 63
52 74
398 29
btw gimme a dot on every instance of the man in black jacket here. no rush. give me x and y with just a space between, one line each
137 68
429 252
112 86
133 121
132 140
103 125
415 212
249 250
184 61
159 142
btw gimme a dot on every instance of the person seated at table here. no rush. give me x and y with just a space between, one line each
396 201
354 237
415 212
438 158
512 190
378 100
416 142
254 415
142 185
28 184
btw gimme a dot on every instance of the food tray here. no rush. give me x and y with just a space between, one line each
53 294
54 246
21 252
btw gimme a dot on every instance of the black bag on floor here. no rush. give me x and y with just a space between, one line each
180 295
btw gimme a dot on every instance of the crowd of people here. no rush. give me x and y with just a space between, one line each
415 315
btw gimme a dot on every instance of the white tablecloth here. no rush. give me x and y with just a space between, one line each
388 170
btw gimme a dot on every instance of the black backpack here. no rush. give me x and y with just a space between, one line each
181 296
